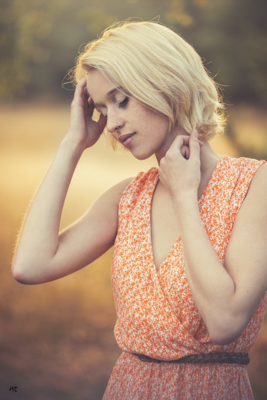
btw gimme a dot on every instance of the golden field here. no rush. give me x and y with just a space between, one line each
56 339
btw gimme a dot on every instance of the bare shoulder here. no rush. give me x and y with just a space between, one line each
257 193
252 216
246 254
253 211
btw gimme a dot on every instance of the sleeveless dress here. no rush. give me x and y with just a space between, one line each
156 313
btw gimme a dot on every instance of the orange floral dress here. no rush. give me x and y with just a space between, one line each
156 312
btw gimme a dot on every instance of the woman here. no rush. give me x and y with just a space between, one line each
189 269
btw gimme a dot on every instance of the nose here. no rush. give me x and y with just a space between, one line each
114 124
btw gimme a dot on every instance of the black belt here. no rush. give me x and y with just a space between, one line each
214 358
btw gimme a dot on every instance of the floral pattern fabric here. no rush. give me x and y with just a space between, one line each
156 313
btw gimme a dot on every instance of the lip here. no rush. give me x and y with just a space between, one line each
126 139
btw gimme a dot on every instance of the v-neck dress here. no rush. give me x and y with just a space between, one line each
156 313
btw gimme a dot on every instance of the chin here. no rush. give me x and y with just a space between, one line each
141 156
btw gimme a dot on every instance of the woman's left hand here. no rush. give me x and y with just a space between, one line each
179 170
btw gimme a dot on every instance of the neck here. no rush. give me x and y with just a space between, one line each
208 162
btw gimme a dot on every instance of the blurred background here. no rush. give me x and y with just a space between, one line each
57 339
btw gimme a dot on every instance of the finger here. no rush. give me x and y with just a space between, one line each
194 145
79 91
185 151
102 122
180 146
91 107
182 143
187 155
182 140
82 84
85 92
179 142
82 81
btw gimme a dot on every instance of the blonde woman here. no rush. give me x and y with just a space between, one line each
189 269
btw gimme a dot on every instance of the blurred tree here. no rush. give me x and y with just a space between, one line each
232 37
39 39
24 28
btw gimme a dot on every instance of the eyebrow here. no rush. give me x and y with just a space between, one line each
116 89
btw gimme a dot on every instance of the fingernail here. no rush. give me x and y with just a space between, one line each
195 134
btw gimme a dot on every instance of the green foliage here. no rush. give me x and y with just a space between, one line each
177 14
232 37
39 40
24 28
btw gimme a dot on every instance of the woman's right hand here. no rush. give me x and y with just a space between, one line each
82 127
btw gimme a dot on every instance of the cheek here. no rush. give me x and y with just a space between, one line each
151 121
159 123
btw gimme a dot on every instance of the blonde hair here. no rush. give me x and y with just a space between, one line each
159 69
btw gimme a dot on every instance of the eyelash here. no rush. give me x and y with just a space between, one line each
123 103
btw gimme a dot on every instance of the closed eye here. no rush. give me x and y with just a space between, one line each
124 102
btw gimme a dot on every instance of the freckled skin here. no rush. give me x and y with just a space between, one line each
152 136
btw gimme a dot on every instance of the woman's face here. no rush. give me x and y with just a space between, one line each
139 129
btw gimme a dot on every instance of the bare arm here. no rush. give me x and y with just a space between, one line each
42 255
226 296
